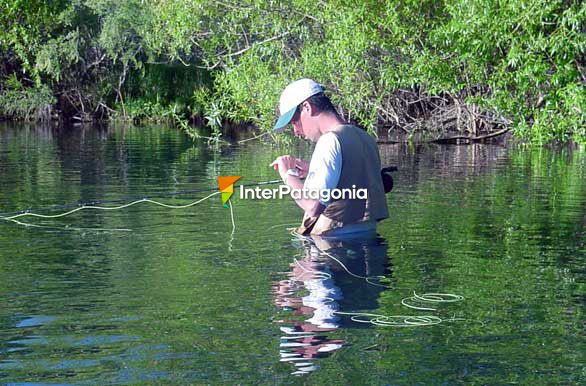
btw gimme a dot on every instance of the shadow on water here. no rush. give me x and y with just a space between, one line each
317 288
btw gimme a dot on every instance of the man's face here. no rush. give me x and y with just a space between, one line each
296 122
302 124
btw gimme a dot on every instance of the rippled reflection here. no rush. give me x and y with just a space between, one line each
316 287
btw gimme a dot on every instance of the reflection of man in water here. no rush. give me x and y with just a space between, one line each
311 296
317 287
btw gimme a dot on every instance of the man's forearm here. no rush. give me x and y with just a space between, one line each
310 206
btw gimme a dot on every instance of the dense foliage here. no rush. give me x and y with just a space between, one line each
465 67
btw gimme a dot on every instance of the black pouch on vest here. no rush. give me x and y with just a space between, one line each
387 178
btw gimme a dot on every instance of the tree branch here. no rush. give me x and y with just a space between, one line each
257 44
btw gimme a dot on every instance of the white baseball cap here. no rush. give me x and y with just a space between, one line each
293 95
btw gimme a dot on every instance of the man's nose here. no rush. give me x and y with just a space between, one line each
296 129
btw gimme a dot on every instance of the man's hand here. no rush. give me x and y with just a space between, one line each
284 163
311 207
303 167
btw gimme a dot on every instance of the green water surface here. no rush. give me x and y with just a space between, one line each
175 297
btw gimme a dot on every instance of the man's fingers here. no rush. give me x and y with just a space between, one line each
287 161
299 165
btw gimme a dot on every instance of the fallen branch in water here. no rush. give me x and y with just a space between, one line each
470 139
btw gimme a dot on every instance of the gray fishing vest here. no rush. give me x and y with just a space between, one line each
360 169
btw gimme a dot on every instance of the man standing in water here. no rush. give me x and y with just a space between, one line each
345 158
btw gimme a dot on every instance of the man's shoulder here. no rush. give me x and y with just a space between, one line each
352 133
328 140
348 128
345 127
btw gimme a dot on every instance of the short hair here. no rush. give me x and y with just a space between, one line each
322 103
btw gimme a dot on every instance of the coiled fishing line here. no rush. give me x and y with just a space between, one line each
386 320
393 320
430 298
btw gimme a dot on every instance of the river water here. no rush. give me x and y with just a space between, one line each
152 295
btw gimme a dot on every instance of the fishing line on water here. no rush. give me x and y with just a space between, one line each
366 278
12 216
232 217
95 207
231 240
83 207
393 320
281 225
126 199
69 227
385 320
101 202
408 320
431 298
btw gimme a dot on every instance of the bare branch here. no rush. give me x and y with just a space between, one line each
257 44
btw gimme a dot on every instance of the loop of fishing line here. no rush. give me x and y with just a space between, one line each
366 278
13 216
385 320
430 298
110 208
83 207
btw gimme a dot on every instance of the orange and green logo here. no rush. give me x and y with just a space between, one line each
226 185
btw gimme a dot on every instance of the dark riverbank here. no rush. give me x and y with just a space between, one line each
423 70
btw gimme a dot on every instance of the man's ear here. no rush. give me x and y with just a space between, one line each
308 107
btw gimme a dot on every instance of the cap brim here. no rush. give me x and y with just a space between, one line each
284 120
